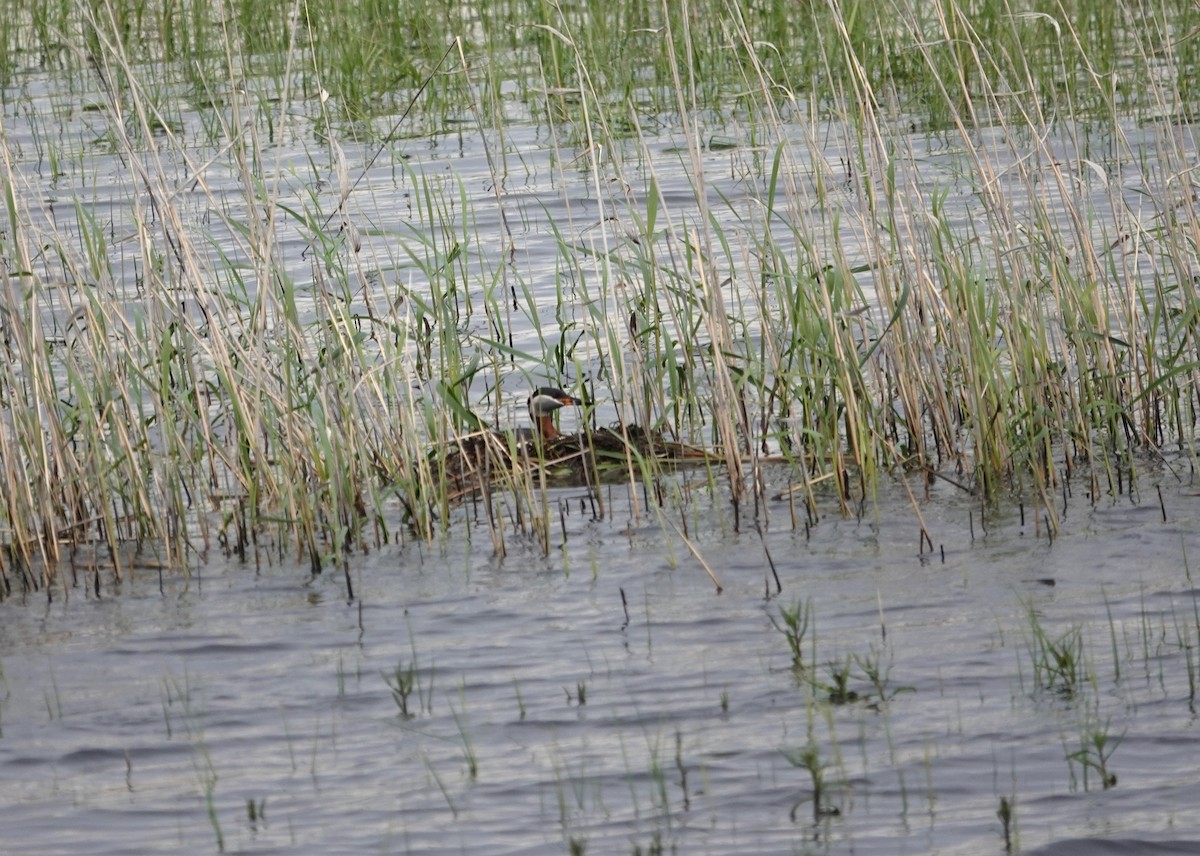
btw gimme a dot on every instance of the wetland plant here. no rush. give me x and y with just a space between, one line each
683 773
793 624
520 700
1189 635
206 772
177 384
837 690
402 682
256 812
809 760
405 680
873 669
1007 817
1096 748
579 699
450 804
1058 662
469 754
53 698
867 667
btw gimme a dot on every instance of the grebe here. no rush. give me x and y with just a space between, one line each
542 404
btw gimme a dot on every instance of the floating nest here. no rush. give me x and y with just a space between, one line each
489 458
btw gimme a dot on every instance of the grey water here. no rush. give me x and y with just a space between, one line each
603 697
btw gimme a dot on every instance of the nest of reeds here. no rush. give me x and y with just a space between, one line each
567 460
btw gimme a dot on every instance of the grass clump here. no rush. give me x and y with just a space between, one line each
1058 662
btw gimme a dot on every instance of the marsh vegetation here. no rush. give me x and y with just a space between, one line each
261 259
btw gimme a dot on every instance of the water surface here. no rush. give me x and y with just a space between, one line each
541 716
602 697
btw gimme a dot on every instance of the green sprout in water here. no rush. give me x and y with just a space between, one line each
256 811
1058 663
402 682
868 667
793 624
1096 748
879 675
839 682
809 758
1005 813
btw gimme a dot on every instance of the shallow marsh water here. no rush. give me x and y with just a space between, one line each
539 717
544 717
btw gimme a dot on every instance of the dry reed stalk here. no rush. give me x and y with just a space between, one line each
730 428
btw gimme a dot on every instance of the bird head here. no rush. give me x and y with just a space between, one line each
546 399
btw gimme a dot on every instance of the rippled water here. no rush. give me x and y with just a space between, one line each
604 698
540 715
